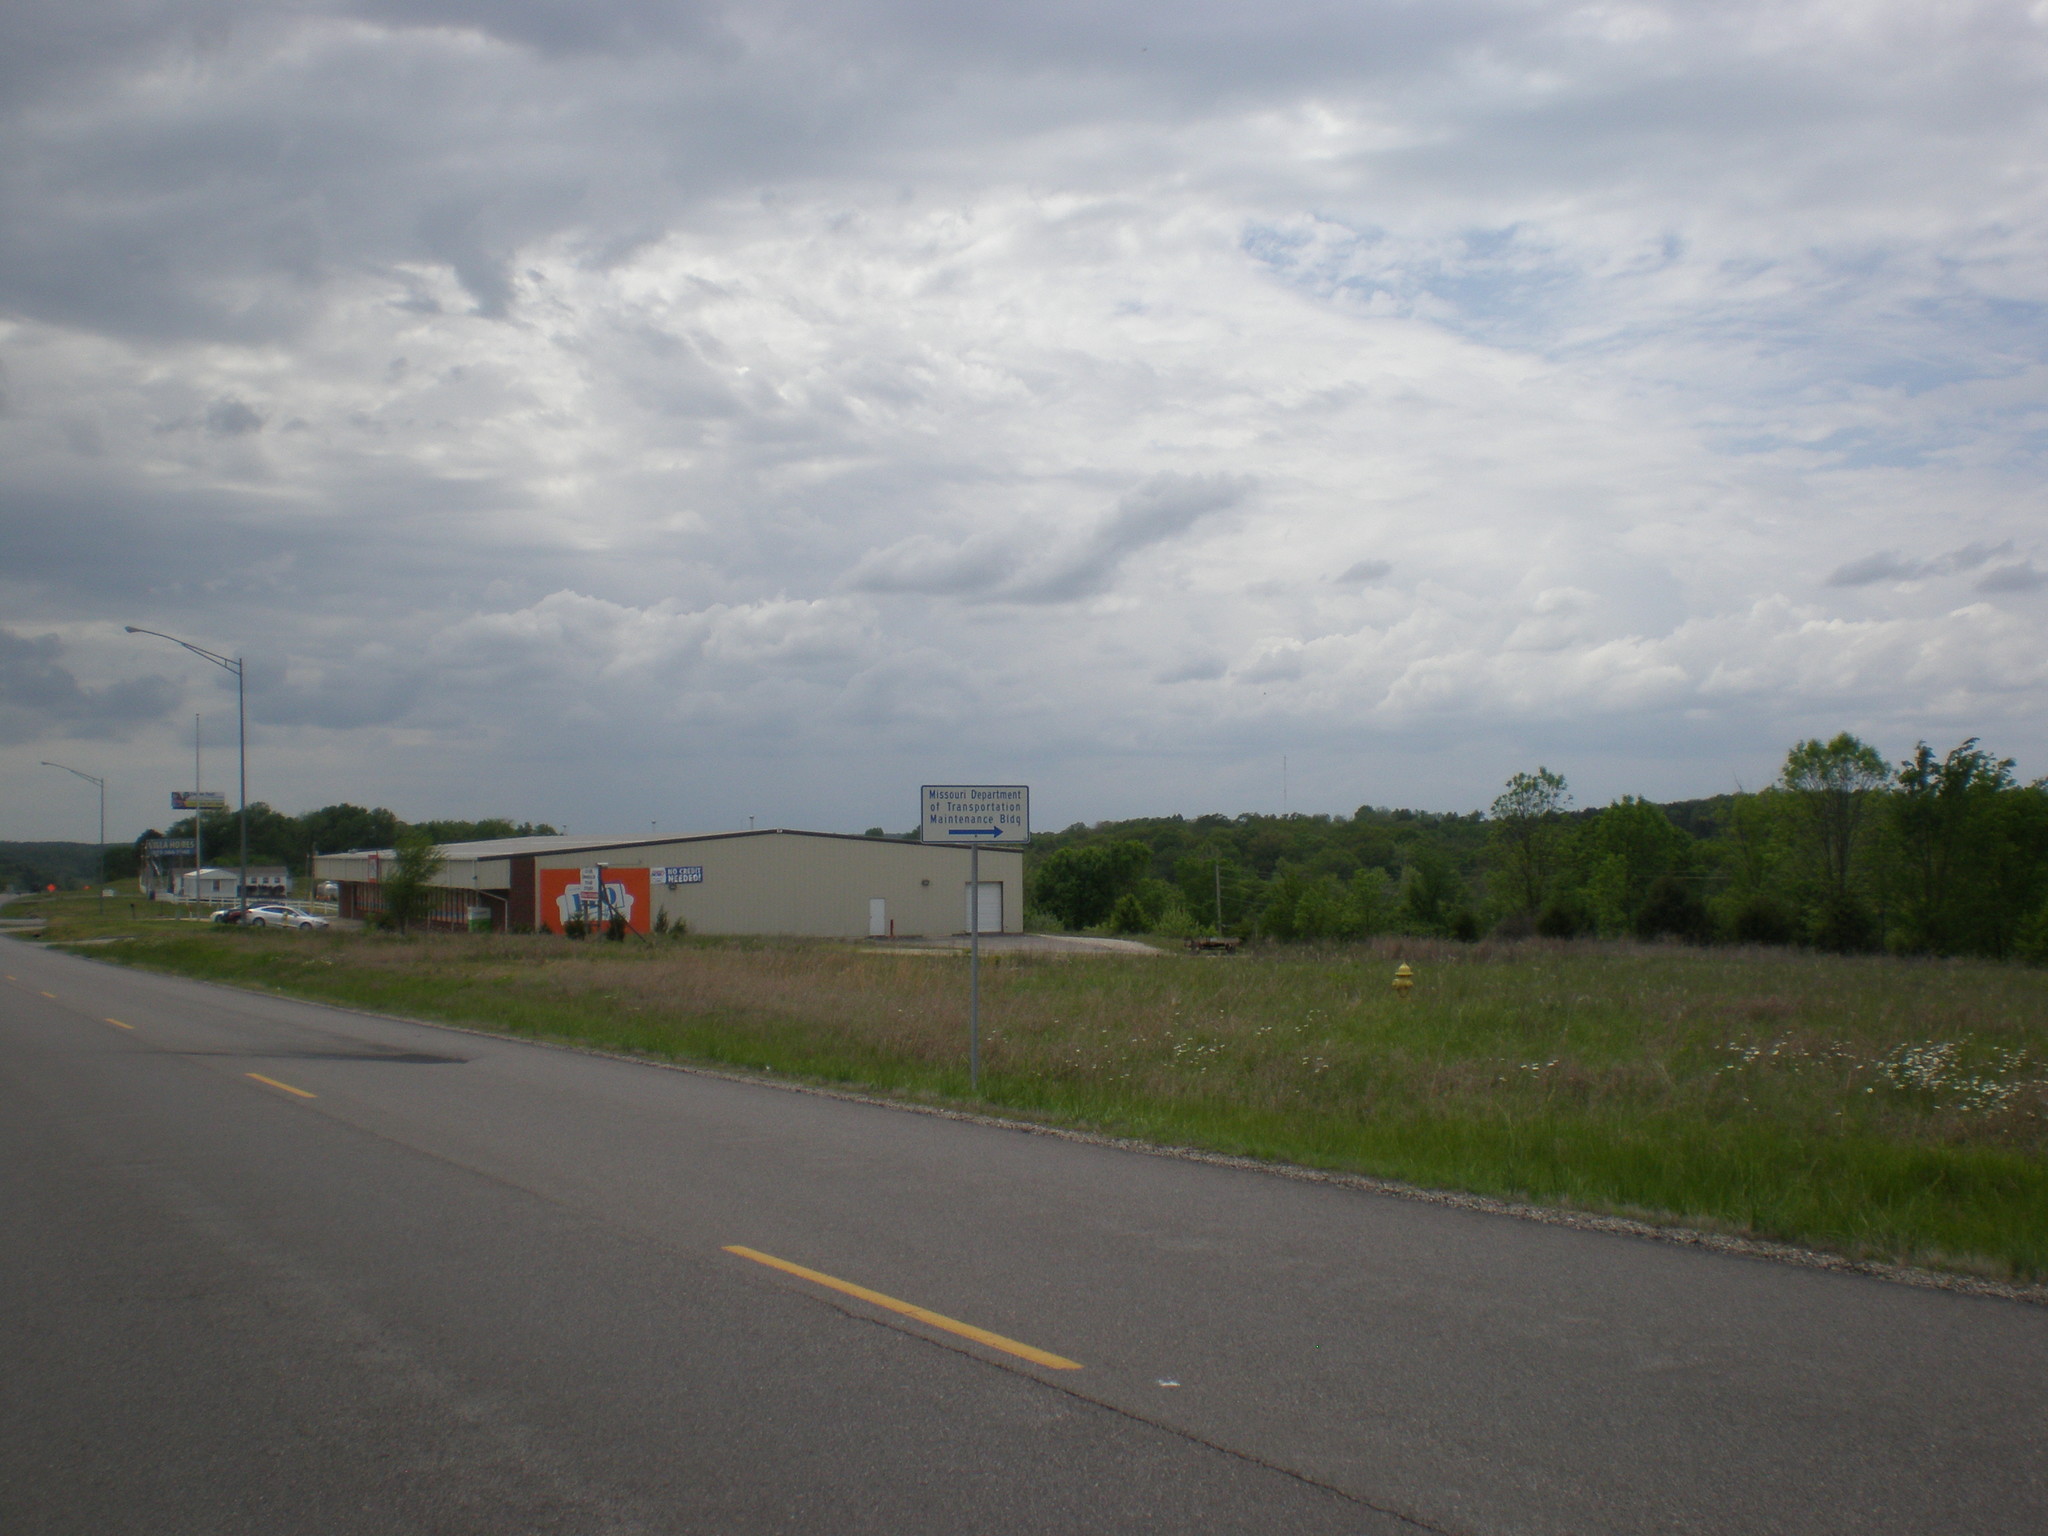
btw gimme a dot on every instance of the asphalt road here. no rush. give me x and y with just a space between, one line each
276 1268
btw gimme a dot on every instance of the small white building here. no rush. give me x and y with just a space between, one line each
266 883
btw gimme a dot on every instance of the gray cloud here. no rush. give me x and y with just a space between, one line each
1010 569
1890 565
924 564
763 389
2022 577
1161 509
232 418
41 698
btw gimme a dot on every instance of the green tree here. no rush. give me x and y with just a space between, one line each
1604 889
1324 911
340 828
1283 896
1830 786
1373 902
1642 837
1432 895
1526 825
1940 813
490 829
1080 885
408 890
1673 908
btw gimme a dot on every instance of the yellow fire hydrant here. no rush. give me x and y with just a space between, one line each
1404 981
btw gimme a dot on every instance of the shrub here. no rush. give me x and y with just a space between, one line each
1763 919
1081 886
2033 939
1128 915
1673 908
1563 917
1843 925
1514 925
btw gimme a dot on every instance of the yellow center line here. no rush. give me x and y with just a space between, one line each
906 1309
287 1087
119 1025
51 995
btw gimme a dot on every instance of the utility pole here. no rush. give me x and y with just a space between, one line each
99 883
198 816
226 664
974 969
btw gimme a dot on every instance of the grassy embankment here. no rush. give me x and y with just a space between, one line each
1882 1108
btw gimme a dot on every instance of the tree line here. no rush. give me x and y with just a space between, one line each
278 838
1939 853
32 866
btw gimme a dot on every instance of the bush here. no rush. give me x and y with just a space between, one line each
2033 939
615 929
1129 915
1563 917
661 922
1762 919
1672 908
1082 886
1513 925
1843 925
575 928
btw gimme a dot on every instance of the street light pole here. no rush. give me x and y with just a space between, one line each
99 883
226 664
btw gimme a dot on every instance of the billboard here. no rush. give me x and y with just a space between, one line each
198 800
565 893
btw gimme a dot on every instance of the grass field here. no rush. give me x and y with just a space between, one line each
1882 1108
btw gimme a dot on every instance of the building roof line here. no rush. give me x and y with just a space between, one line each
522 847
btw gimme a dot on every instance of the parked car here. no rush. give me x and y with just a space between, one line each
273 914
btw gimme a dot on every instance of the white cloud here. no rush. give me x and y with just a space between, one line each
1109 398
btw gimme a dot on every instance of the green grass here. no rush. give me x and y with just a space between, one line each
1882 1108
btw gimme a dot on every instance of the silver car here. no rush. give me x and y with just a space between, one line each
278 914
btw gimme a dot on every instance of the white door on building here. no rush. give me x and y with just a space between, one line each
878 917
991 905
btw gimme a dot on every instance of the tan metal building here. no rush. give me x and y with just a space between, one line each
778 881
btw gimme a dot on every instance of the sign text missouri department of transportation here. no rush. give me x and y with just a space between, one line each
976 815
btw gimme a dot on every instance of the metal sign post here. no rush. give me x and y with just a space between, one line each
975 814
974 969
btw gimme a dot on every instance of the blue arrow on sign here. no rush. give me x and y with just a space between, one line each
974 832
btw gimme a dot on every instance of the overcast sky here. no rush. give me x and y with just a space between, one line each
614 411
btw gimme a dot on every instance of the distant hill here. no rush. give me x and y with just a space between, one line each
31 866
